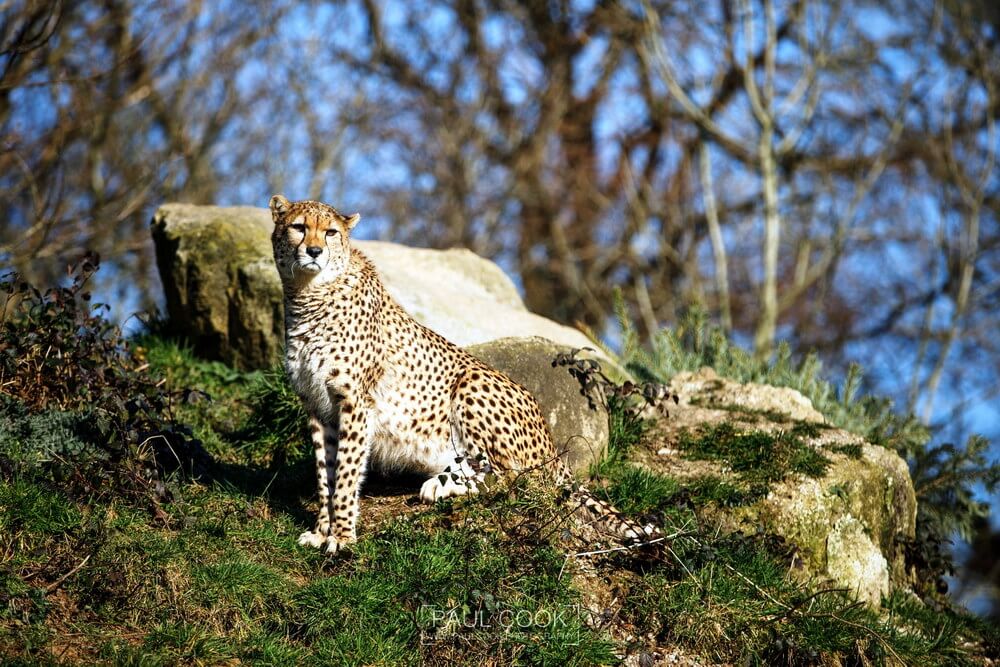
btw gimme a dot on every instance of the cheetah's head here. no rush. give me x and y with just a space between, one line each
310 240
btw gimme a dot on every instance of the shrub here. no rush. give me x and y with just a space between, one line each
75 397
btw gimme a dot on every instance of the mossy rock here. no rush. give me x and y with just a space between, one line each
850 524
222 291
847 507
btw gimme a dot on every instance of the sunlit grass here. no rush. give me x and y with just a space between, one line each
211 573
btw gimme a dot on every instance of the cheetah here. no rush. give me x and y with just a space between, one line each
383 390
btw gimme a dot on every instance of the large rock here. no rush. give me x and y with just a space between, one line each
849 525
223 291
580 432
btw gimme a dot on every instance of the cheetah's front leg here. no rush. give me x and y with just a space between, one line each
324 439
353 445
341 456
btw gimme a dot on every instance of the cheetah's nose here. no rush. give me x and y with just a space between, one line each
314 251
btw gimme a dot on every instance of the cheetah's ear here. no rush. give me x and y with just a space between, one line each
350 221
279 206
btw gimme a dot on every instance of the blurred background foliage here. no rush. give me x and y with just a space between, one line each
818 172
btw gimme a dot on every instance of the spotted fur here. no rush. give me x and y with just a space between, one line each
382 389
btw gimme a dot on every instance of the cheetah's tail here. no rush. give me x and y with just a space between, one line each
604 515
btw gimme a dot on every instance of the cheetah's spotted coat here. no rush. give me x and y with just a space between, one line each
382 389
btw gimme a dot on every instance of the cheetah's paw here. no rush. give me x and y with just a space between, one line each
329 544
335 545
312 539
446 485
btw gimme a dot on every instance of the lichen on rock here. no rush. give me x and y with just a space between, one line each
854 561
848 524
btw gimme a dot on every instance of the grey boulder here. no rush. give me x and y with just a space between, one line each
579 431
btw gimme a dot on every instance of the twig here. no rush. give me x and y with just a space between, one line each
58 582
629 547
273 477
752 583
872 633
684 565
790 609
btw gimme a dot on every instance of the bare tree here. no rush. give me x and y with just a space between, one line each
102 116
808 170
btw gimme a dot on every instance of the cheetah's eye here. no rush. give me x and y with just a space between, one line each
301 229
332 232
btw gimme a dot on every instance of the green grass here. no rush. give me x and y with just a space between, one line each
216 574
276 428
212 573
247 417
625 428
759 458
219 406
710 489
223 579
851 451
730 599
638 491
28 505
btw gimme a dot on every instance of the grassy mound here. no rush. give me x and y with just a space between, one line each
166 566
